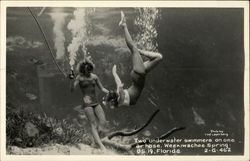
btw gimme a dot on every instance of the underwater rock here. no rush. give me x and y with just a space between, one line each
197 118
18 142
83 116
58 149
147 133
219 124
18 139
31 96
59 131
12 73
31 129
115 123
36 62
155 127
14 150
80 111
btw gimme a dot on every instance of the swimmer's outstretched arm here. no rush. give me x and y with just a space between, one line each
118 81
100 86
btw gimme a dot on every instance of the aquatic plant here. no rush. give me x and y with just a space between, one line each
27 129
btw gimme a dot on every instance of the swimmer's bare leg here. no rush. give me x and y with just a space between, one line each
89 111
102 122
137 61
154 59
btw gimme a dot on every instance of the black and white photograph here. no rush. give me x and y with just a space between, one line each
115 80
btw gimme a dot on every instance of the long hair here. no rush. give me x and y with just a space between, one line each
84 67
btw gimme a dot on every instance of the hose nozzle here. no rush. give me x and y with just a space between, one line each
71 75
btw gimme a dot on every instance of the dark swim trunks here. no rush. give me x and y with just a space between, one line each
88 91
138 78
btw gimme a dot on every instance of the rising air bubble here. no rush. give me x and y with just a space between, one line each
58 18
146 23
79 30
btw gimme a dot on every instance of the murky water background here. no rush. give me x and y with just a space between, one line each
199 83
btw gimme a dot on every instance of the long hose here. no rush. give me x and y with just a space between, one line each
46 41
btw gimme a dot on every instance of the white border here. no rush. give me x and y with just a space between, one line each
168 4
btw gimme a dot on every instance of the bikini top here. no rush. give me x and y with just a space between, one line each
88 87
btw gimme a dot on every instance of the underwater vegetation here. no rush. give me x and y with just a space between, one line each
31 134
27 129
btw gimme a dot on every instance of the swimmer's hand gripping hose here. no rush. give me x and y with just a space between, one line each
71 75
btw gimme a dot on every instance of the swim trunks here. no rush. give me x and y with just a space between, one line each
137 86
138 78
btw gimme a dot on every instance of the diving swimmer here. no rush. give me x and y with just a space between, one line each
87 82
138 74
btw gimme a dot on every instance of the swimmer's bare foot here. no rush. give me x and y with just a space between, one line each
93 145
123 20
114 70
103 148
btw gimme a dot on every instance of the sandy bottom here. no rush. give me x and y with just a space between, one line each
57 149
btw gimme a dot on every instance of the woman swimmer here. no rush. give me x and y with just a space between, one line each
87 82
138 74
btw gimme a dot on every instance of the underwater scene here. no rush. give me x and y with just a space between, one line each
190 103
